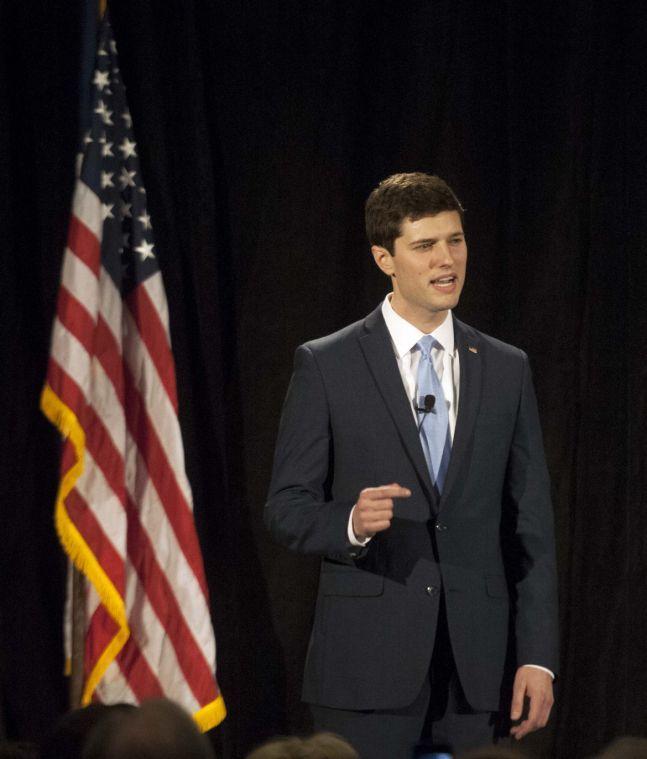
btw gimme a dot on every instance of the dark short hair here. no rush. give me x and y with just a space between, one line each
158 729
406 196
19 750
317 746
627 747
67 738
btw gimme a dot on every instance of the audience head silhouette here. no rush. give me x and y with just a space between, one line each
158 729
491 752
318 746
627 747
70 733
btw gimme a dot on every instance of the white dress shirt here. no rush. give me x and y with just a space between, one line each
404 339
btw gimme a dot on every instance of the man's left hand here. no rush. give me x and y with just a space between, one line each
537 685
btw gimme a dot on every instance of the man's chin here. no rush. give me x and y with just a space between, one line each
445 303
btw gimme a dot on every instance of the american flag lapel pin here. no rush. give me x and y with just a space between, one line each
472 349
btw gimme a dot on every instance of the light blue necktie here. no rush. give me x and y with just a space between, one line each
433 425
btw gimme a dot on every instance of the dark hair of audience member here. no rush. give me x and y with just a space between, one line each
318 746
627 747
491 752
68 736
18 750
158 729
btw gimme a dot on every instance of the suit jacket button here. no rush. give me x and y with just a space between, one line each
431 590
440 526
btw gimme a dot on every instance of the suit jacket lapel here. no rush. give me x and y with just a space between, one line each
380 357
471 362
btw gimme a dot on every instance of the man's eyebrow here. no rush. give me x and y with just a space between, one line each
434 240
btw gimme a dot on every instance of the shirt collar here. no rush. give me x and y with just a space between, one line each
405 335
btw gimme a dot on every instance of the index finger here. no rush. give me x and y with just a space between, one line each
387 491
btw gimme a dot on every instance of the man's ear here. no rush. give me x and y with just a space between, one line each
383 259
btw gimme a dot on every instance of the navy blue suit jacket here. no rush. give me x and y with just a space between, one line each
487 541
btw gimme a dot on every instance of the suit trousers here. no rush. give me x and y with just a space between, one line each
439 716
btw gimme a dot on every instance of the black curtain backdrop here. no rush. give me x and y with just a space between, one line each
262 127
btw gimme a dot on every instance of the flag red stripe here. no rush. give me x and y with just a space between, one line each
101 629
99 543
74 317
97 438
97 339
135 668
83 242
68 456
107 352
155 339
163 478
161 597
65 387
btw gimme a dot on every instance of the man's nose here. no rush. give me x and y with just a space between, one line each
443 255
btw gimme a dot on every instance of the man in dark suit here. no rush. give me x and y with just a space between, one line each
410 458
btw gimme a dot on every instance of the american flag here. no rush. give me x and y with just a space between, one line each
124 509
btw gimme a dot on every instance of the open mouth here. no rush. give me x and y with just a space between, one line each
445 283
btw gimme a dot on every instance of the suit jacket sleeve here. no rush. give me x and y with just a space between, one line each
528 537
300 511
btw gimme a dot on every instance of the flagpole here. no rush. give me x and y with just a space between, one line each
93 11
77 652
